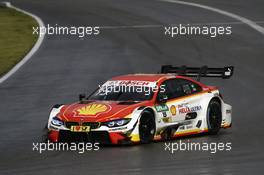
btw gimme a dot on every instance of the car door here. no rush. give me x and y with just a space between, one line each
173 92
181 100
189 107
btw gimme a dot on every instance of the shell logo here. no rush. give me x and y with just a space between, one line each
92 109
173 110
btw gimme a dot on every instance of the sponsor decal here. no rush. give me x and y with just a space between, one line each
161 108
187 109
181 128
91 110
183 105
186 122
129 86
173 110
189 126
134 83
130 83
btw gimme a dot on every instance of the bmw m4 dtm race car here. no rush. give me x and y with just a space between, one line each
140 108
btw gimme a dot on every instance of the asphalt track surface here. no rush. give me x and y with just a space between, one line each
65 66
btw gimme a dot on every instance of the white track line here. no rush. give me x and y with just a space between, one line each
234 16
162 25
31 52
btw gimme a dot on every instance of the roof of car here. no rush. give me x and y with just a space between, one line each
153 77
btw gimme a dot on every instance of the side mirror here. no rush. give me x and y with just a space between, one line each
162 98
81 97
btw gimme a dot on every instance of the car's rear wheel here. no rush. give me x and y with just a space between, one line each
147 127
214 117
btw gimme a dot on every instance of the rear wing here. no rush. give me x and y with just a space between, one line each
204 71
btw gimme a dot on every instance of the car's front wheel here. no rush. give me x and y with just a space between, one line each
214 117
44 137
147 127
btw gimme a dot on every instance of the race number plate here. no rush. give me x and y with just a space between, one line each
80 128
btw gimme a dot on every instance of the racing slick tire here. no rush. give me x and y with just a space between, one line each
44 137
214 117
147 127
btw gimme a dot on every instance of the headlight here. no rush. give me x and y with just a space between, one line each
56 121
120 122
116 123
110 124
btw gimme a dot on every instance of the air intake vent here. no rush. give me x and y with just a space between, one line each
127 103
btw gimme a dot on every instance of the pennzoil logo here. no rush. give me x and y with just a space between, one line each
92 109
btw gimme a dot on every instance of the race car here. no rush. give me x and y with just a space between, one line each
141 108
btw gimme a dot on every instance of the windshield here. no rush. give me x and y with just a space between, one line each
123 93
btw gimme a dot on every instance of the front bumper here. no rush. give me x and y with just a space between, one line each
102 137
126 134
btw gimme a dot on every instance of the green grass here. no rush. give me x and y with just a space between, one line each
16 38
